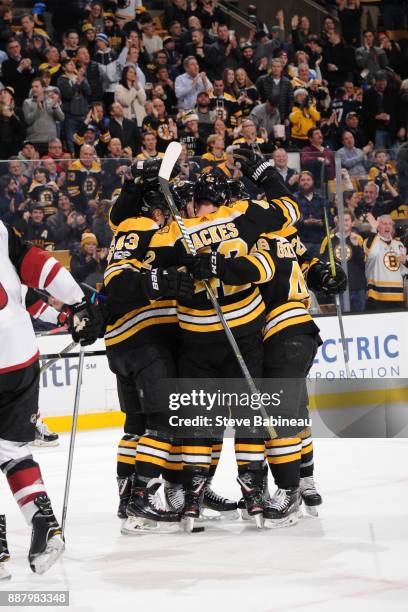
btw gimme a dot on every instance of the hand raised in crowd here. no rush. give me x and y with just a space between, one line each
294 22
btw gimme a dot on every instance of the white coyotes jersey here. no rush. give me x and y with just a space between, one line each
17 339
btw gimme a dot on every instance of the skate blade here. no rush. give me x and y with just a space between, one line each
135 525
259 521
213 515
245 516
187 523
4 573
43 443
279 523
311 511
42 562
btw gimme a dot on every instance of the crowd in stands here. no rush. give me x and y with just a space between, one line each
87 88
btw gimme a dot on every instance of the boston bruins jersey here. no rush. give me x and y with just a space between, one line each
134 319
226 108
83 183
45 194
285 294
231 231
384 269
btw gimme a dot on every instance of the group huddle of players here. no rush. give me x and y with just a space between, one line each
162 326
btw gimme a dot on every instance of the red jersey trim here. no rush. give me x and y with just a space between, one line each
20 366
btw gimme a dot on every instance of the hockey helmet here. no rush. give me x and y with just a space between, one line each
212 187
153 201
238 191
182 192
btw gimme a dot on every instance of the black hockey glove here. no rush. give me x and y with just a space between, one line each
147 172
86 321
320 278
255 167
168 283
205 265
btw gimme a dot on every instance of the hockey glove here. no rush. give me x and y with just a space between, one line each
169 282
255 167
86 321
320 278
205 265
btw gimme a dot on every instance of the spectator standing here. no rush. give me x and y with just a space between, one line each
370 58
227 49
311 226
275 84
189 84
176 10
61 223
149 148
93 74
206 55
386 264
338 60
71 44
131 95
350 13
151 42
17 71
381 112
12 130
108 66
33 44
41 112
355 260
161 125
75 96
313 156
303 117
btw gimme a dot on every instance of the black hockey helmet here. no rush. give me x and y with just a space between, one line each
212 187
151 202
237 189
182 192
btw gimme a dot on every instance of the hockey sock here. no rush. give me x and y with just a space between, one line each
215 457
26 483
249 451
126 457
283 456
151 457
306 462
173 470
197 453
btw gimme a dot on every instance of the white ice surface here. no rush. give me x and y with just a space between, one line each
353 557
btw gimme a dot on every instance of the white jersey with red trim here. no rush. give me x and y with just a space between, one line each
35 268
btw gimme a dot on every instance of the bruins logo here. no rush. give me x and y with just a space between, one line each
90 185
163 132
391 261
46 196
337 252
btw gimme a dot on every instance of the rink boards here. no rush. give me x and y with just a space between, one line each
378 349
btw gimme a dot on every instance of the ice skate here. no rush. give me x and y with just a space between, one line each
217 507
251 487
194 499
124 487
282 510
4 553
265 494
43 436
146 512
310 496
47 542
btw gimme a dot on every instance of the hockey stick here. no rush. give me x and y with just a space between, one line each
336 297
73 435
57 356
170 158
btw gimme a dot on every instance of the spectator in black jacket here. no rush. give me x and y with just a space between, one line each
124 129
227 49
290 176
17 71
32 43
207 56
381 112
338 60
75 95
275 85
177 10
6 19
12 129
62 223
93 74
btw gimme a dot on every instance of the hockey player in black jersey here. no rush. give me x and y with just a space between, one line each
140 338
231 231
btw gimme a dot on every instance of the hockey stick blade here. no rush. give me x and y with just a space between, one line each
169 160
